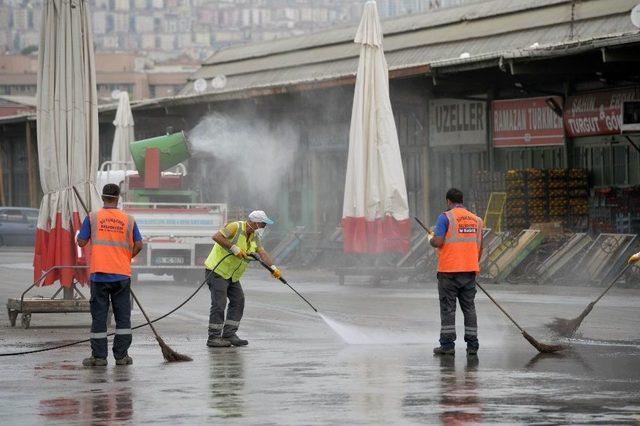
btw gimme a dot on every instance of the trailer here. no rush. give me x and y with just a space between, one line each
176 236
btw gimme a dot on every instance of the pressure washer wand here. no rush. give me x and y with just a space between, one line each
283 281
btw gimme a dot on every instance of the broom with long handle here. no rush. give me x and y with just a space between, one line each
568 327
169 354
541 347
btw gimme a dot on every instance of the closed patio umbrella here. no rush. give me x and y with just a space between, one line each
123 135
67 131
375 215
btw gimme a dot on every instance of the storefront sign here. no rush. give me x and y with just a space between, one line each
526 122
457 122
596 113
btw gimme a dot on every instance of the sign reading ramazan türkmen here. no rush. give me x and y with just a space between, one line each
526 122
457 122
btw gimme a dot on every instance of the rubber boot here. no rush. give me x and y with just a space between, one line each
444 351
125 360
94 362
218 342
236 341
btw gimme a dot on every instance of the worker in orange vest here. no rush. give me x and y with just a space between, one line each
458 238
115 240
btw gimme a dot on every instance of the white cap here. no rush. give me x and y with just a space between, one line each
260 217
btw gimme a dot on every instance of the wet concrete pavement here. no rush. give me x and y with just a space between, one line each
296 370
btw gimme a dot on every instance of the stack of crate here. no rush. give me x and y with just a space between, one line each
577 217
526 197
484 184
556 195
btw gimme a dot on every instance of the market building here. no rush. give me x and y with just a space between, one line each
476 91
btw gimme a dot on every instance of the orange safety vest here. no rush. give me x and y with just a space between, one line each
462 242
111 242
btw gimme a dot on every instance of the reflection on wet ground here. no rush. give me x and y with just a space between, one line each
94 406
226 383
297 371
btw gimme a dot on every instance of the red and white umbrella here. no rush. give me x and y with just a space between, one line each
67 135
375 215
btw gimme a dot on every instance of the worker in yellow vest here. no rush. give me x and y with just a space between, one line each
115 240
224 267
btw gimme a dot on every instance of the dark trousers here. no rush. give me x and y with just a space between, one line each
460 286
120 294
221 290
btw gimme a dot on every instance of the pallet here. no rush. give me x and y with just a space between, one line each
511 252
36 305
72 300
558 260
606 254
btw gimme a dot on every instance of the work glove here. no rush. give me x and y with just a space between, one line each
635 258
238 252
275 272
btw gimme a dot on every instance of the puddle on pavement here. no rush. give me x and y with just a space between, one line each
93 408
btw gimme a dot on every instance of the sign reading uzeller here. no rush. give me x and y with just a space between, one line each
457 122
526 122
598 113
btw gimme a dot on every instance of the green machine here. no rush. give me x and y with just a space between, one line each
161 174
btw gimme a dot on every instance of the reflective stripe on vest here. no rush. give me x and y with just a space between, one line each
111 246
462 242
231 267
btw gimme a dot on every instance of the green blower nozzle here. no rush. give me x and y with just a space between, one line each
174 149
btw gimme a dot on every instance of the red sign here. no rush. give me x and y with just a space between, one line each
596 113
526 122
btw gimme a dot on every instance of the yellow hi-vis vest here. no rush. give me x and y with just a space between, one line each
232 267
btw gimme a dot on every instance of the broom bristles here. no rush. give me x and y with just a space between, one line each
566 327
169 354
542 347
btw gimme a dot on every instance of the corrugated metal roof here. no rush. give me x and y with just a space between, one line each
22 100
547 49
404 24
486 31
18 118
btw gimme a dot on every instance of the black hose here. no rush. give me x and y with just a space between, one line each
132 328
283 281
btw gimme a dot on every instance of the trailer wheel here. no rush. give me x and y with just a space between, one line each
26 320
13 316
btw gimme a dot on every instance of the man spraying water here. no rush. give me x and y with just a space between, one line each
234 245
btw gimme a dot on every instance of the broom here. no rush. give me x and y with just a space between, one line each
566 327
541 347
169 354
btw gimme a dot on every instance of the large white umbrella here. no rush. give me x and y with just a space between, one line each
67 135
123 135
375 214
